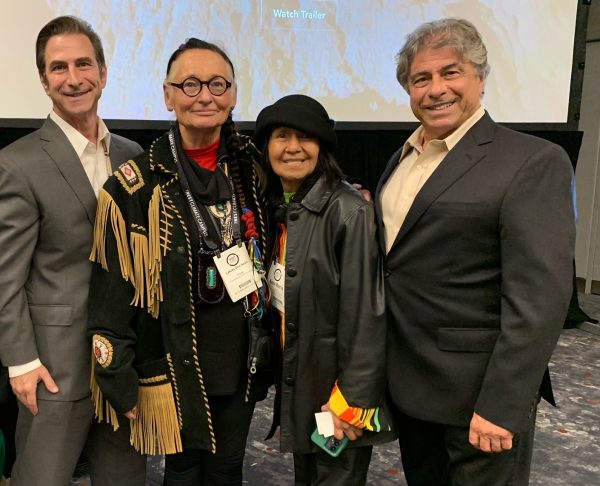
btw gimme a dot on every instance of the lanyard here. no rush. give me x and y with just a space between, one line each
109 170
202 228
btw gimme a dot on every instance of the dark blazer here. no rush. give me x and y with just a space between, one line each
47 212
479 278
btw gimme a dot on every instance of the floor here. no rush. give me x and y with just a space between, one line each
567 444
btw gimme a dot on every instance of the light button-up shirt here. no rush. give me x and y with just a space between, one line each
415 166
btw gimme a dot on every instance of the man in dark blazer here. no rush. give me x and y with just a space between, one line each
477 225
49 182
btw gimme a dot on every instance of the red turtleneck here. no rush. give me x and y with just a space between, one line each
205 157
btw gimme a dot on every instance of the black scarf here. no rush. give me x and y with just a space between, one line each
207 187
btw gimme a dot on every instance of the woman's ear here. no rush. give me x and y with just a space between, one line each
167 97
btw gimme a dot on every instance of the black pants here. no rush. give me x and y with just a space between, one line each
8 423
440 455
348 469
193 467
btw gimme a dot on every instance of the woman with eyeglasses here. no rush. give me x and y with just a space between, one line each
181 344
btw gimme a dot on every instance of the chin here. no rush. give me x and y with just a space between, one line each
205 124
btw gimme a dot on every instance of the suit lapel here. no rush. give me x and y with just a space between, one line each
387 172
468 152
59 149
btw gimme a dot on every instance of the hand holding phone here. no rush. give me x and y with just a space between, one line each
331 445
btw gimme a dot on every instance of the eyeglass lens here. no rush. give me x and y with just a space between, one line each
192 86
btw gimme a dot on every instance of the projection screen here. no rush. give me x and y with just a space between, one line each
339 51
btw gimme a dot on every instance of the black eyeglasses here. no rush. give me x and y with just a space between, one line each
192 86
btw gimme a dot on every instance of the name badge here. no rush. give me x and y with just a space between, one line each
276 280
237 272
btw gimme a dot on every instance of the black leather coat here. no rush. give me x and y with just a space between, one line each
334 309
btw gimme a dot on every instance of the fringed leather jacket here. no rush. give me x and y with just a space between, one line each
142 305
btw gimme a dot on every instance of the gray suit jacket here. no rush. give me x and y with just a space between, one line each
479 278
47 212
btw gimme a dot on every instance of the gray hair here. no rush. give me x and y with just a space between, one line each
458 34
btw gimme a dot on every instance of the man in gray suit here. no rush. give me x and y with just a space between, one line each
478 230
49 181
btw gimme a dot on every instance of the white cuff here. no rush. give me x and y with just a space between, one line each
24 368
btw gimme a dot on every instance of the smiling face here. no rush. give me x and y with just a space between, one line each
444 91
200 117
72 78
293 156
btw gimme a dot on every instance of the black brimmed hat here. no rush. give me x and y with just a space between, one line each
296 111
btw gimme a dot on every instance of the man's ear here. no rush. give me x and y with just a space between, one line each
103 76
44 82
482 80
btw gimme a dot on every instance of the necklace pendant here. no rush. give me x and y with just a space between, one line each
210 285
211 278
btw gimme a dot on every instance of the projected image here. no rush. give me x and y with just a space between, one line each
341 52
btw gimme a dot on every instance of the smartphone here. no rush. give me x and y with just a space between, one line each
331 445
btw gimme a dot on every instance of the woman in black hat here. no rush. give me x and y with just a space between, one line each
325 280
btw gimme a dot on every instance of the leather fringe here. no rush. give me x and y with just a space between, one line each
107 207
155 430
140 256
139 250
102 409
156 250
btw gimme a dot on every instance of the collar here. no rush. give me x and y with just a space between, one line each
205 157
76 139
318 196
161 159
414 141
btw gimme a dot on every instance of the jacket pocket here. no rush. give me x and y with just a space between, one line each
472 340
51 315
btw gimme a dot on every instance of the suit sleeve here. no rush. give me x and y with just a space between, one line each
136 149
537 235
123 149
19 229
111 323
361 322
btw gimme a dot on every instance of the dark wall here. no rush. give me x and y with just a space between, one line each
362 154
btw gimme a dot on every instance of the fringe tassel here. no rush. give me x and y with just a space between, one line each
106 208
155 252
98 253
139 250
140 262
155 430
102 409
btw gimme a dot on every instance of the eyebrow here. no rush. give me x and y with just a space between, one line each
444 68
210 76
78 60
453 65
